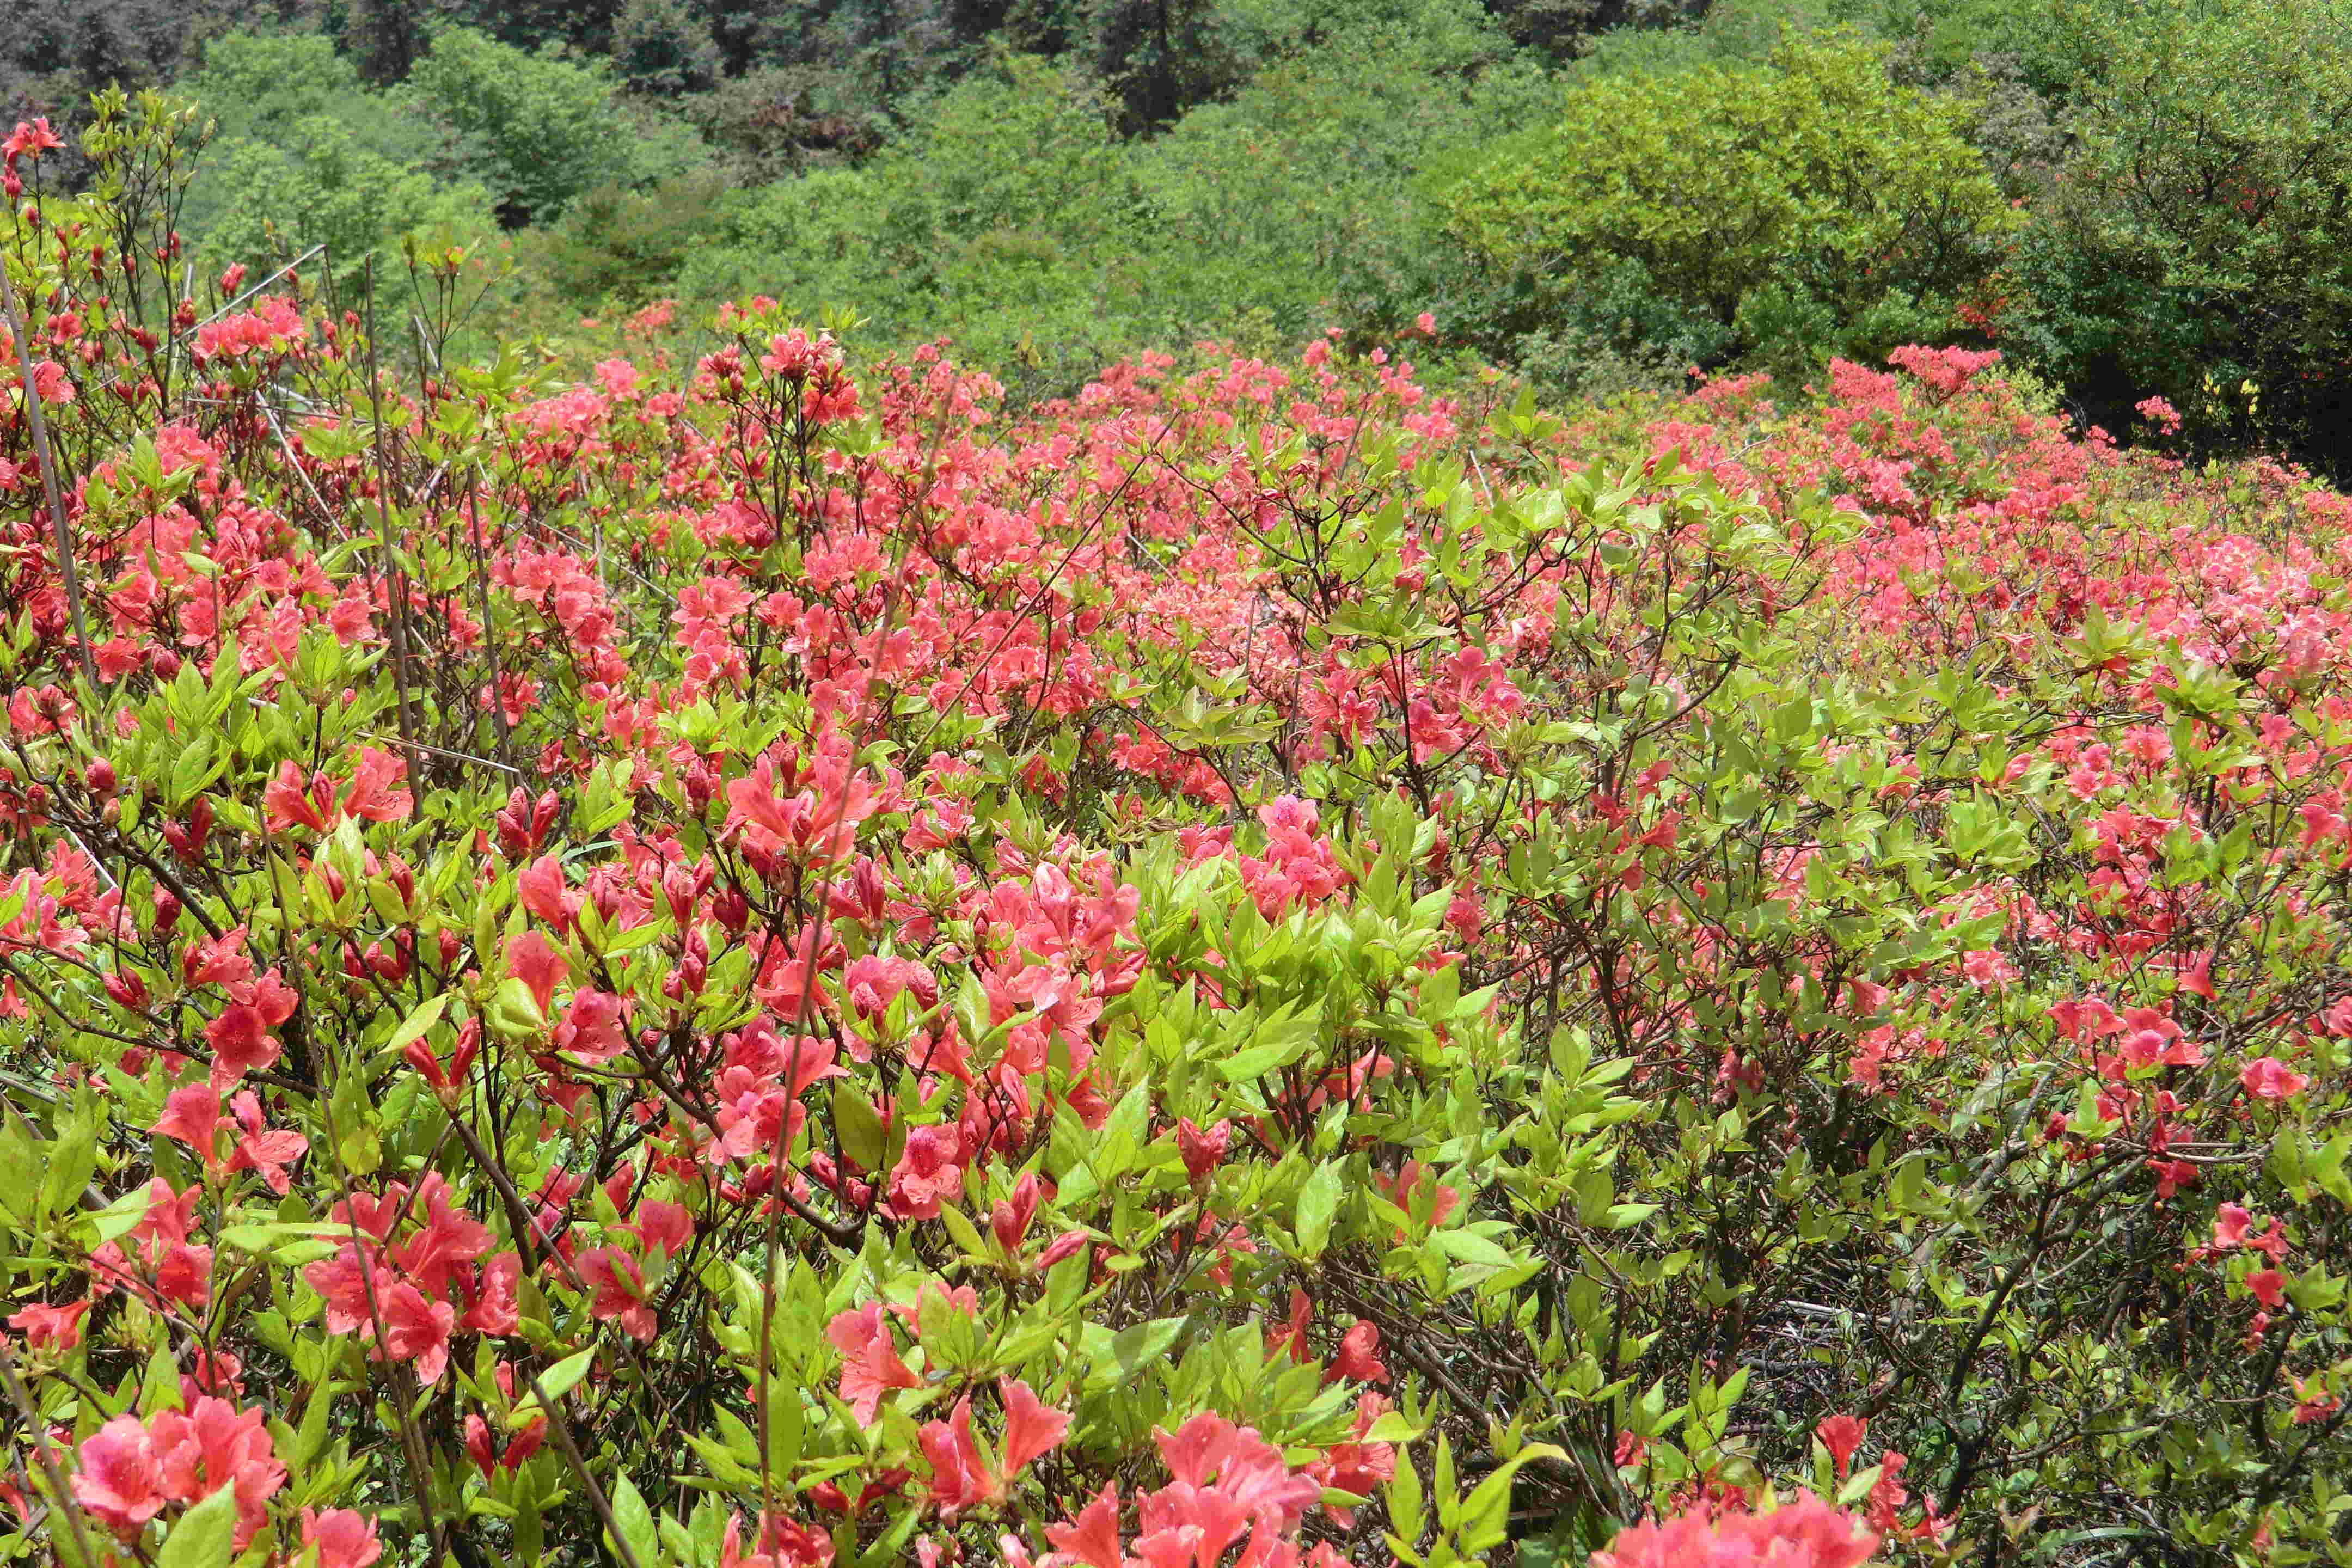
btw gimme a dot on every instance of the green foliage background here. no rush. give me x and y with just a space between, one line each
2132 200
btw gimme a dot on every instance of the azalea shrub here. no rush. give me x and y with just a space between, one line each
735 958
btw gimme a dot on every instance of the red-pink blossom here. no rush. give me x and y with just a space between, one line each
2267 1077
1804 1532
344 1537
119 1480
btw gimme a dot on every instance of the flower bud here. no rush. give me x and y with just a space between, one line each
1204 1148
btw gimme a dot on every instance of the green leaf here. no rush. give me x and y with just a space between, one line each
564 1375
514 1012
352 1117
117 1219
1122 1135
892 1546
311 1437
636 1521
1318 1200
1118 1358
1280 1040
1404 1499
205 1536
1392 1427
425 1016
1486 1513
786 1423
71 1157
643 934
1467 1246
857 1126
160 1390
959 1227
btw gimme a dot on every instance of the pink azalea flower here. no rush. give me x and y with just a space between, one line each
120 1483
2267 1077
345 1538
1804 1533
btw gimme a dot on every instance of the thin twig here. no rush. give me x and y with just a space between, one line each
395 595
412 1446
250 293
64 1498
482 594
194 327
1044 589
326 512
882 626
48 461
444 751
596 1499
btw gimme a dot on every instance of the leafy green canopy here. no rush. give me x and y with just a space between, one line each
305 153
536 129
1015 222
1786 212
308 153
2199 245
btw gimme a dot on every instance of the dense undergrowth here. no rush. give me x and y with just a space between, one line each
725 962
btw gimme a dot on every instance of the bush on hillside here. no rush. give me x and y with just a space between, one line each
267 202
260 88
1007 220
536 130
307 153
619 248
1012 219
1777 214
2198 245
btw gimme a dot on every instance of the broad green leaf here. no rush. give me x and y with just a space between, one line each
205 1536
1318 1200
422 1017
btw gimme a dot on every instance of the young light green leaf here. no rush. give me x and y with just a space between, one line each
205 1536
1318 1201
413 1027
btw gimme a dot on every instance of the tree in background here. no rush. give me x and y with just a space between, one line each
618 247
895 49
776 122
384 38
2198 244
536 130
97 43
308 153
1560 27
1779 214
260 87
321 183
2130 199
582 24
1010 219
55 54
1025 27
1159 57
663 48
750 34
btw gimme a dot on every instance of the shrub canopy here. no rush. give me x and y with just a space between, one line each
1805 207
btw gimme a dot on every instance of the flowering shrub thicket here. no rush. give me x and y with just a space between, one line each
729 964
